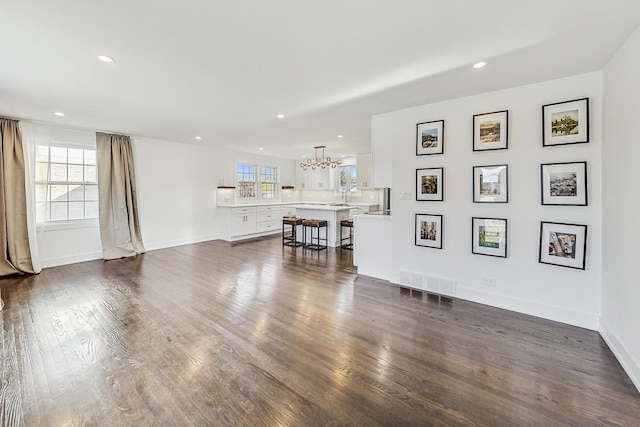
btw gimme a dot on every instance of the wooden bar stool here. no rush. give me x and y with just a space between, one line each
346 223
315 224
292 238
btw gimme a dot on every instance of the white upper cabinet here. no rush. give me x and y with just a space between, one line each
365 181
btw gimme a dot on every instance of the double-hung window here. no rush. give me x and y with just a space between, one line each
256 182
66 183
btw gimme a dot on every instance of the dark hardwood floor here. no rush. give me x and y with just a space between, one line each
253 335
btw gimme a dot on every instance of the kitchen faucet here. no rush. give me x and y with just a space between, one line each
346 195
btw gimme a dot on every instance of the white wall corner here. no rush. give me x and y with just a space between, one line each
628 362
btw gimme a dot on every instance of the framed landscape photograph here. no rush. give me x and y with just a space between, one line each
490 131
430 138
564 183
565 122
429 184
564 245
491 184
429 230
489 236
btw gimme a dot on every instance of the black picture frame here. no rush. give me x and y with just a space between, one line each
563 245
430 138
491 184
430 184
429 230
489 236
491 131
565 122
564 184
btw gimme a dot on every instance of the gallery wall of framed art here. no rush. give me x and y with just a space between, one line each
500 178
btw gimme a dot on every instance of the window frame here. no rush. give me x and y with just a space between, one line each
62 224
257 183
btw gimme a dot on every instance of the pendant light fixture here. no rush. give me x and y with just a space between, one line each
320 162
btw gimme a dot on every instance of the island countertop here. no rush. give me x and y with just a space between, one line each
327 207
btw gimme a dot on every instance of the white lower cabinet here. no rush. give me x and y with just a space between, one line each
269 218
243 221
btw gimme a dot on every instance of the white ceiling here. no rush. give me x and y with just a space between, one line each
224 69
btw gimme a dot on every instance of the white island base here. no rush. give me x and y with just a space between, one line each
332 214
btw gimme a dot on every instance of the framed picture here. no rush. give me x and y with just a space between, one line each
491 184
489 236
430 138
565 122
429 184
429 230
563 244
564 183
490 131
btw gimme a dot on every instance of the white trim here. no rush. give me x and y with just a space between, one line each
628 362
71 224
73 259
180 242
550 312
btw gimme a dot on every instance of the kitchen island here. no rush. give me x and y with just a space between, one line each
332 213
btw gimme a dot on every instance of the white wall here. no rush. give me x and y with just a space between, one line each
621 204
176 196
522 284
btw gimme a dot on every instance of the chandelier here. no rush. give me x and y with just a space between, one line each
320 162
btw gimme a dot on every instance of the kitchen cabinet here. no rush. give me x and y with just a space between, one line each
363 162
314 179
381 150
243 221
268 218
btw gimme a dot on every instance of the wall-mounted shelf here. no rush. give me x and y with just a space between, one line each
287 187
226 186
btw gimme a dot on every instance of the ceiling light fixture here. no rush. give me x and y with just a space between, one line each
198 138
280 116
479 64
105 58
339 136
260 148
320 162
59 114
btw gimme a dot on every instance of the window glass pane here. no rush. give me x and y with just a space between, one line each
90 174
89 157
58 155
41 171
76 193
58 193
76 156
58 211
91 192
40 212
75 173
91 209
58 172
41 193
76 210
42 153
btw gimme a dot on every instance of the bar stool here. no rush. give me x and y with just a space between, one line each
315 224
346 223
291 239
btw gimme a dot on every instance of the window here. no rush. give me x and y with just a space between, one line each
347 179
268 182
246 181
251 185
66 183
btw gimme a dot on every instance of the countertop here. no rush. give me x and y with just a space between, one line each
326 207
303 205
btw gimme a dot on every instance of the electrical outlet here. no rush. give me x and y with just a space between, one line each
489 281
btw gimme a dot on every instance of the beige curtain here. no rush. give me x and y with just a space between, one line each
118 206
15 256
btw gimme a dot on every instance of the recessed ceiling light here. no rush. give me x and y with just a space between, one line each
343 156
105 58
280 116
479 64
304 156
198 138
58 113
260 148
339 136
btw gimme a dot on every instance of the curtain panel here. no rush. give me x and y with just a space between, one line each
118 206
15 254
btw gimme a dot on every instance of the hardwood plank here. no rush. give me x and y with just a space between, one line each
256 334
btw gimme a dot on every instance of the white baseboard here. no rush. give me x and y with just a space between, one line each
628 362
152 246
72 259
557 314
